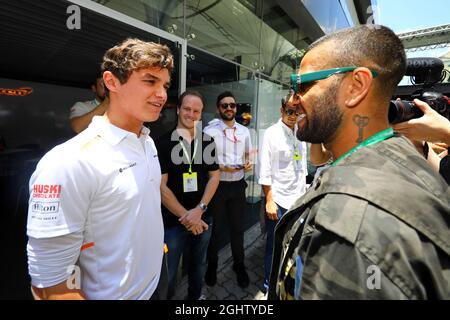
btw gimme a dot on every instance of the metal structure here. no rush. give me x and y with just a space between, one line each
425 39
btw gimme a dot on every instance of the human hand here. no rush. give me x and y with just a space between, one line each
198 228
431 127
191 217
248 167
230 169
439 148
271 210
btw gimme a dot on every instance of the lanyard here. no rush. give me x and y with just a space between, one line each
290 134
380 136
234 135
296 148
187 154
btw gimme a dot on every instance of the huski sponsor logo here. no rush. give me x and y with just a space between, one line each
47 191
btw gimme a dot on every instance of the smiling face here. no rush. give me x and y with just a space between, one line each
289 114
226 111
144 94
190 112
318 102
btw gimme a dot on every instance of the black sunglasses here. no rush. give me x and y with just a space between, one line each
226 105
290 112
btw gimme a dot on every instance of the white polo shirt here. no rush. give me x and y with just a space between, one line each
277 165
80 108
232 143
104 184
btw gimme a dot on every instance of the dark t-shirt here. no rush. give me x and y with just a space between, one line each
174 162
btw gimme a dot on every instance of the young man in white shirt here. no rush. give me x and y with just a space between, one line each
82 112
282 174
95 200
233 147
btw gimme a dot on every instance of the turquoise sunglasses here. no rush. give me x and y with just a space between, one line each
298 79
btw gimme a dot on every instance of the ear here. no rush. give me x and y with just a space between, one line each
359 87
111 81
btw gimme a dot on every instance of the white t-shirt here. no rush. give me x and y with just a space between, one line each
231 146
80 108
104 184
278 169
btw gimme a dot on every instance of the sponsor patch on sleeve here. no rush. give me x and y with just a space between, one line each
44 211
45 202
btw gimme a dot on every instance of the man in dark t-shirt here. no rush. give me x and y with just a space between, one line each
190 176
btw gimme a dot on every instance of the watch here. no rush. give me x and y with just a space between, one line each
203 206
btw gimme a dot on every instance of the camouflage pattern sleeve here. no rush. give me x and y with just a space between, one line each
350 249
332 268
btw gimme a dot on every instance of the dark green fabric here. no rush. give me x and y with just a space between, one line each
382 207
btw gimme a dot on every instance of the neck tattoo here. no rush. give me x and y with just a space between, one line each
361 122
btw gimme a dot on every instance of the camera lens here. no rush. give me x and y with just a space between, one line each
403 110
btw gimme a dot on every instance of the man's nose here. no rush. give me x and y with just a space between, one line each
161 92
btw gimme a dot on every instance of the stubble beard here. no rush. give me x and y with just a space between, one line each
327 118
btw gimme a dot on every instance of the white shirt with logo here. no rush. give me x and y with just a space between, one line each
80 108
232 143
104 184
277 165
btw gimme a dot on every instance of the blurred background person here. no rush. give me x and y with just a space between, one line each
282 173
233 147
82 112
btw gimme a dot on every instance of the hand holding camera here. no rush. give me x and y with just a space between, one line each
431 127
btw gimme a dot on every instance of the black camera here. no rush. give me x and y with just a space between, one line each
425 72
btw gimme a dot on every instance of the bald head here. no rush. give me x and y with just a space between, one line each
372 46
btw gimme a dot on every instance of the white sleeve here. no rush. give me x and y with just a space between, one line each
60 195
51 261
304 157
79 109
265 168
248 142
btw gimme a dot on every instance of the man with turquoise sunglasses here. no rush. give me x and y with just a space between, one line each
375 224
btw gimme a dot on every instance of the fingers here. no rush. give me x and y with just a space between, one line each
443 154
423 106
198 228
272 216
183 218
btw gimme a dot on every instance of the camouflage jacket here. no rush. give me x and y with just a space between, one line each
376 226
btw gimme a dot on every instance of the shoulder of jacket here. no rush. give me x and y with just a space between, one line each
340 214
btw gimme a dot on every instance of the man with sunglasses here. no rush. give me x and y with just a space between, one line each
233 146
375 224
282 172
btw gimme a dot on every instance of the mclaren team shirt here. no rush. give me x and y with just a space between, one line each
95 210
